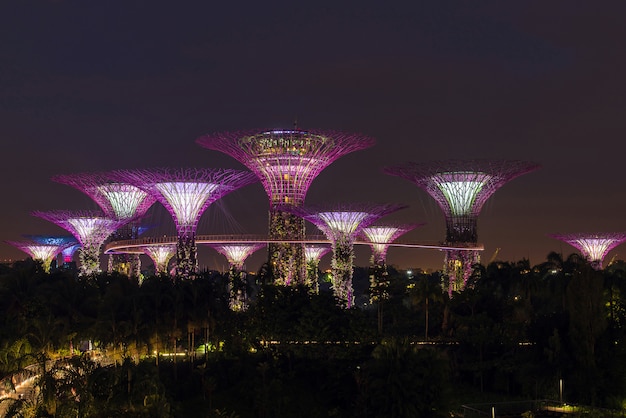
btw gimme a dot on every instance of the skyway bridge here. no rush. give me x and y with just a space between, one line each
135 245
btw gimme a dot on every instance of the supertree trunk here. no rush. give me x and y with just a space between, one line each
342 268
287 259
312 272
89 257
238 290
379 287
458 265
186 255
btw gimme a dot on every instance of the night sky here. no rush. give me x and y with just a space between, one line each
102 85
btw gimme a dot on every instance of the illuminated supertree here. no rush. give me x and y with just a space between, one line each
313 254
90 228
236 254
186 193
118 200
286 162
68 245
43 253
161 254
341 224
461 187
594 247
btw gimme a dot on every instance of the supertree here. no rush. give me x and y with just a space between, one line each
313 254
38 251
90 228
286 162
67 242
236 254
461 187
118 200
161 254
341 224
186 193
594 247
380 238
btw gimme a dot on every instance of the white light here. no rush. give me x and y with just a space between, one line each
312 253
186 199
92 230
595 248
124 198
344 222
461 190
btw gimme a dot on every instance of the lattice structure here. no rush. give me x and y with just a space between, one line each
236 254
461 187
595 246
186 194
118 200
90 228
286 162
313 254
341 224
41 252
160 256
68 243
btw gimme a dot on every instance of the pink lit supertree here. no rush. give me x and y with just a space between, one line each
380 238
286 162
593 246
313 254
186 193
341 223
42 252
68 243
160 254
118 200
90 228
236 254
461 188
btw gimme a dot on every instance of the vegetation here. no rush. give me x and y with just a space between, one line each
107 346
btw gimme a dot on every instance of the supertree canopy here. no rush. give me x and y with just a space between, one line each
90 228
341 223
381 236
594 247
186 193
160 255
68 243
461 187
286 162
118 200
313 254
42 252
236 254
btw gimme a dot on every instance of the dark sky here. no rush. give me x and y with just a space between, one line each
101 85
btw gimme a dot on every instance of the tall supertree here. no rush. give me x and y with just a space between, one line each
42 252
594 247
380 238
236 254
286 162
186 193
341 224
90 228
461 187
118 200
160 254
313 254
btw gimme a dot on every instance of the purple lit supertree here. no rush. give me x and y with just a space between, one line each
286 162
461 187
595 246
186 193
90 228
341 224
313 254
68 243
160 254
236 254
380 238
41 252
118 200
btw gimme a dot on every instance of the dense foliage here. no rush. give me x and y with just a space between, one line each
173 347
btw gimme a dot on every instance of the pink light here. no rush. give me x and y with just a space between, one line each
160 255
186 199
594 247
343 222
125 199
236 254
314 253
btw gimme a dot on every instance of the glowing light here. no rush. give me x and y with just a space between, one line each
381 236
314 253
124 199
68 253
92 230
594 247
460 193
41 252
236 254
345 222
160 255
186 199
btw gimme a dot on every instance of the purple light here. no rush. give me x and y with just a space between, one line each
186 200
594 247
314 253
160 255
381 236
236 254
41 252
